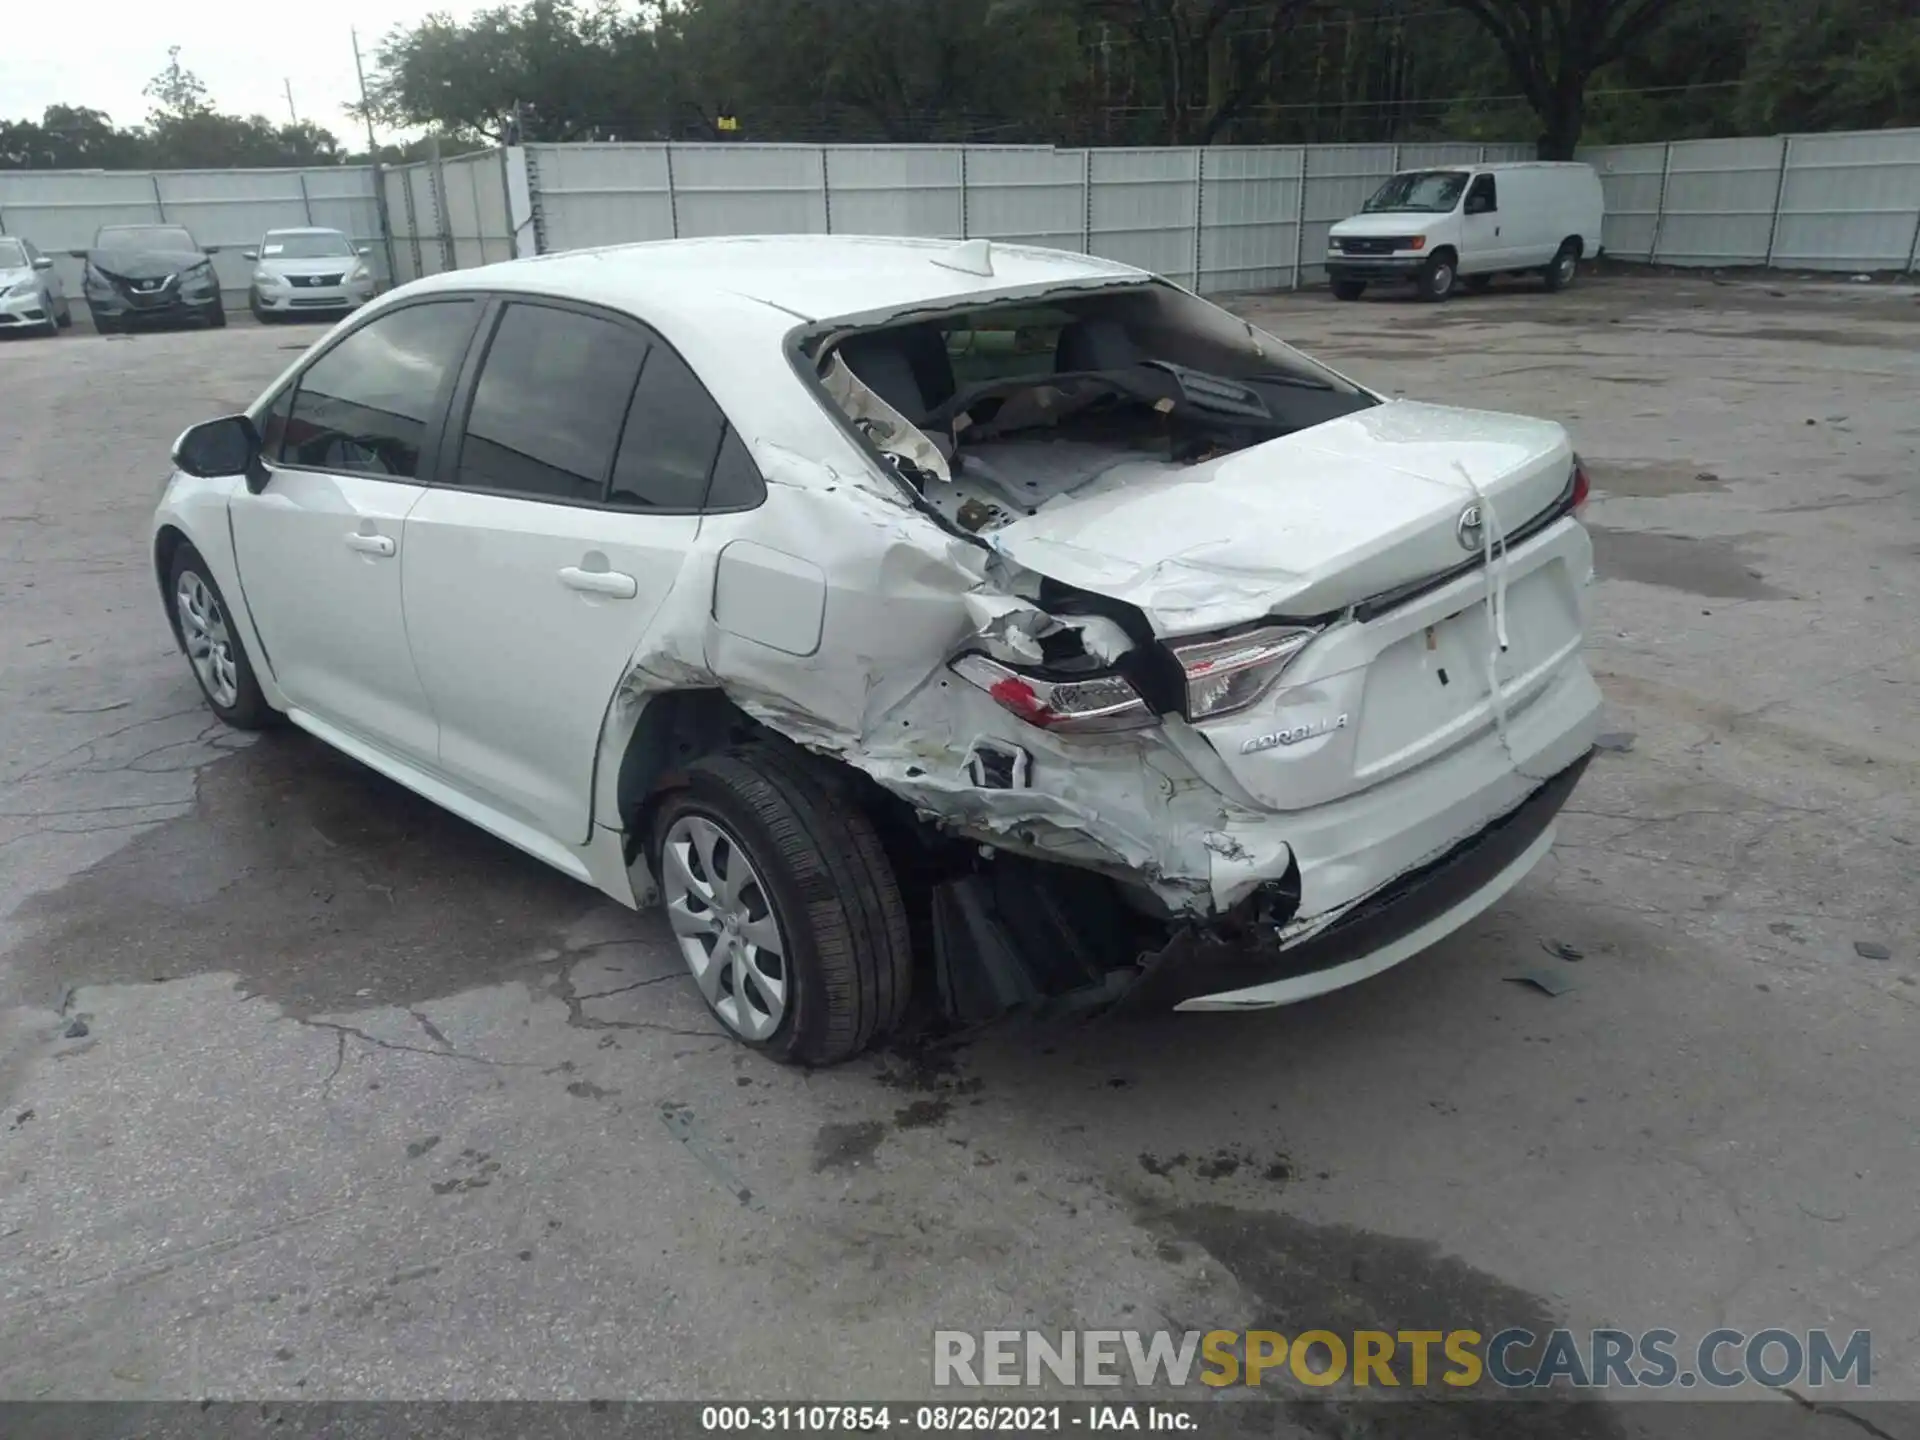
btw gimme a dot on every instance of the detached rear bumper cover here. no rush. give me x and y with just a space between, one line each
1199 972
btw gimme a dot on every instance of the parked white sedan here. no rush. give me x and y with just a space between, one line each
307 271
991 623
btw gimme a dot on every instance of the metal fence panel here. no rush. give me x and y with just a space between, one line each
1630 179
1720 201
475 206
402 227
1339 180
750 189
894 190
1249 217
1850 202
1028 195
429 223
601 194
1144 210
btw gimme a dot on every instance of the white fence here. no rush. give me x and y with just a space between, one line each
1227 218
1796 202
1220 219
229 209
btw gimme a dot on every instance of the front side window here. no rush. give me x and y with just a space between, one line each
1482 199
546 413
364 406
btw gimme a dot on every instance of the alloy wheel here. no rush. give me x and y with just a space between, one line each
723 918
203 625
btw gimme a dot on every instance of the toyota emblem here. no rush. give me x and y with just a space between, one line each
1468 530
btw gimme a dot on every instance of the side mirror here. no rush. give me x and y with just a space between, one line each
363 250
227 446
43 262
250 254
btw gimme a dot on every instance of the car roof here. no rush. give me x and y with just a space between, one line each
305 230
1496 166
808 277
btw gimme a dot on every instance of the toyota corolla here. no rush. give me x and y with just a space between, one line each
968 624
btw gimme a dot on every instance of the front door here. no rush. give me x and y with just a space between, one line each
321 547
562 516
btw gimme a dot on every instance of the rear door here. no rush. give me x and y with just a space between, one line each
569 495
320 548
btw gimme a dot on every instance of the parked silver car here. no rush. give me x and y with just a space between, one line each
31 295
308 270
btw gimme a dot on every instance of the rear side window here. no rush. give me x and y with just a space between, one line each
676 442
364 406
547 410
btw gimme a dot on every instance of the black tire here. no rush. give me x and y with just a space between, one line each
1561 271
249 709
217 320
829 886
1477 284
1349 289
1438 277
104 326
66 317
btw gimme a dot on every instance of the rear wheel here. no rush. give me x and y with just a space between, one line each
1349 289
783 904
1565 266
214 651
1436 281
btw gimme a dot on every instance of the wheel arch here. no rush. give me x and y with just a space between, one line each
1579 244
167 541
672 730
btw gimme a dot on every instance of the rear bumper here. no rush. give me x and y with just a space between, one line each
1202 972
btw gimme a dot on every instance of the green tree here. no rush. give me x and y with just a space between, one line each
1554 48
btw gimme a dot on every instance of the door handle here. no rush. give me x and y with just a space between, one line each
600 582
370 544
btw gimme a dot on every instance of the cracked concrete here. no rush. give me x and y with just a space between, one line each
370 1105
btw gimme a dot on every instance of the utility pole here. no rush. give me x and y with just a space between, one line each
366 114
292 114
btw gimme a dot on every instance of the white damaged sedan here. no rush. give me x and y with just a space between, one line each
965 624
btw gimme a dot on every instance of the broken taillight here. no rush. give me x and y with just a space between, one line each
1082 706
1582 487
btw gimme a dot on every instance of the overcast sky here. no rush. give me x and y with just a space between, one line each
242 52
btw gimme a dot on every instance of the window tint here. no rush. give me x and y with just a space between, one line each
273 424
671 440
736 479
363 406
546 414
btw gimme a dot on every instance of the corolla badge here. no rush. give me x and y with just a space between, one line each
1294 735
1469 530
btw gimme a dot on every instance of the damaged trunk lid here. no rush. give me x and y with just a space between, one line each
1309 524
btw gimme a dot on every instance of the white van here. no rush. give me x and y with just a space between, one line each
1468 223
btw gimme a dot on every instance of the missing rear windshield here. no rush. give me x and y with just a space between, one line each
992 411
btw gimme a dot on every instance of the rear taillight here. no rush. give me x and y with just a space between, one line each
1581 488
1074 706
1230 673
